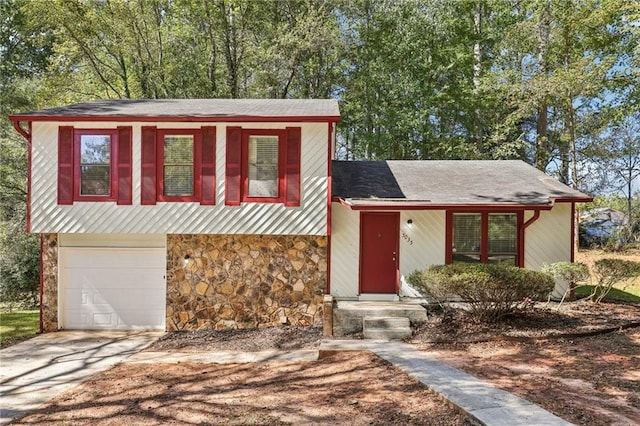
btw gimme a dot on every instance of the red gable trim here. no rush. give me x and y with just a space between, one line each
181 118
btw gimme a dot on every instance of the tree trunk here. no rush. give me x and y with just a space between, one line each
477 72
542 139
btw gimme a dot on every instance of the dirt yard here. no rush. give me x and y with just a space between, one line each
347 388
587 380
549 356
592 380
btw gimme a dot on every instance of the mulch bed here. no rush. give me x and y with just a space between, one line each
247 340
547 320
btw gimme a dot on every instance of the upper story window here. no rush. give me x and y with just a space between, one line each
263 166
484 237
178 173
178 165
95 168
94 165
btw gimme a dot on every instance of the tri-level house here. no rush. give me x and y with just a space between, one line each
212 213
181 214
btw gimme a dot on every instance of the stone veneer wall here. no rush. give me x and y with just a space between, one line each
245 281
49 283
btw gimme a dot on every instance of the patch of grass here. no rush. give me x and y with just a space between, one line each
630 294
18 325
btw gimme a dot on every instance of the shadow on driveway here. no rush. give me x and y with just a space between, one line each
34 371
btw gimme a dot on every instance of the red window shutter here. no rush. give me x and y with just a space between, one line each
233 167
148 184
123 166
208 166
65 165
292 167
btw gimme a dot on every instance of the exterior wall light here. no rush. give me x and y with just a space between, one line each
409 222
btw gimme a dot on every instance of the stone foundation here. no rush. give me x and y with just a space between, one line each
244 281
49 256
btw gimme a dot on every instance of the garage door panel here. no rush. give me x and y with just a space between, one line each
116 279
135 316
83 258
135 299
112 288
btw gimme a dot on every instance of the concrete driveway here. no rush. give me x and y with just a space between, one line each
35 371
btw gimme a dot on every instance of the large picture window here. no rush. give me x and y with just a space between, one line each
467 237
484 237
502 238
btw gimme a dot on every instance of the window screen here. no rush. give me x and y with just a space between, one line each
178 165
467 237
502 238
95 165
263 166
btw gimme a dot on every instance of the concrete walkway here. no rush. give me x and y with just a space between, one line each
34 371
487 404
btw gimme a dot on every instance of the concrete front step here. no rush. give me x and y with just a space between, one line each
386 328
348 316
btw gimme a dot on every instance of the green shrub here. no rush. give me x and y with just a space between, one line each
492 291
610 271
570 272
19 267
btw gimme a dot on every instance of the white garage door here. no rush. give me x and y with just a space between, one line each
112 288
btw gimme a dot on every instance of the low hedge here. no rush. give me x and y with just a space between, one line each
492 291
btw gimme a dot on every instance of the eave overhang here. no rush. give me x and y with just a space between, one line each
178 118
379 204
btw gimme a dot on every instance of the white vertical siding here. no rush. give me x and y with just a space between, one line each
164 218
345 251
549 240
422 243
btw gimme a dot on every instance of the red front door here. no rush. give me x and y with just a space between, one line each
379 239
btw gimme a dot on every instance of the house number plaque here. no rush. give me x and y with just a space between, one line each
407 238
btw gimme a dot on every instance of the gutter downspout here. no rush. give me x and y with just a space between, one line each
41 280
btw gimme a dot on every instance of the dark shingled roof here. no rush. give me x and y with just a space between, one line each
326 109
458 182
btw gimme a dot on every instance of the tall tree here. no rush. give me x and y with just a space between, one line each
24 57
